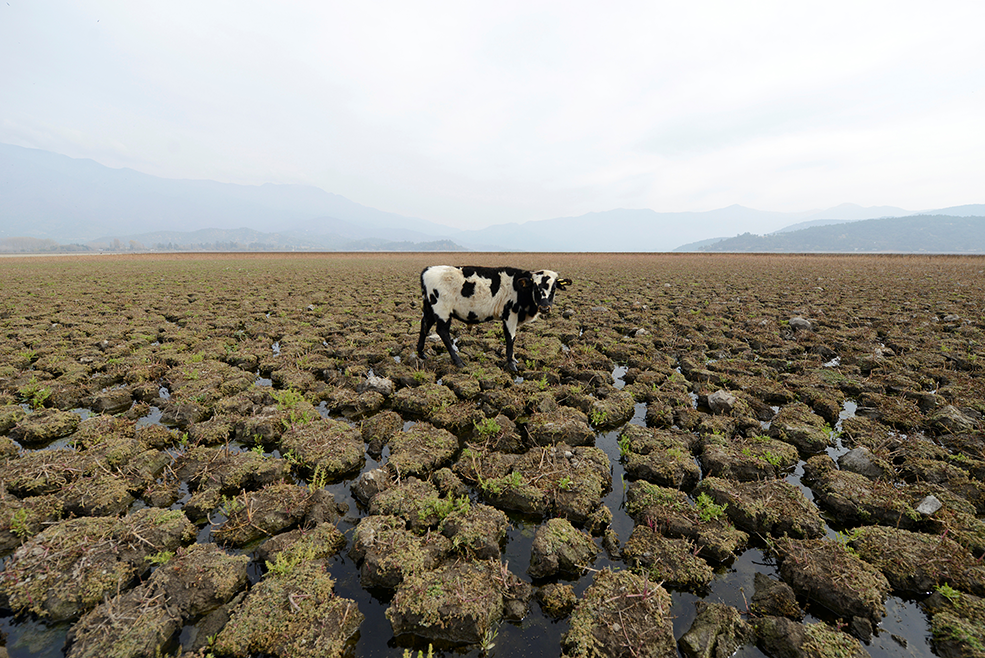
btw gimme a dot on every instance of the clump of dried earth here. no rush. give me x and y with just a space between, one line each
242 455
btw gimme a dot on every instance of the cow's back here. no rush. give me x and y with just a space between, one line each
471 294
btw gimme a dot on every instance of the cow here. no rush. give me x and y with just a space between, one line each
480 294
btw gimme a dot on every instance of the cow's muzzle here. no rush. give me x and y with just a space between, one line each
544 308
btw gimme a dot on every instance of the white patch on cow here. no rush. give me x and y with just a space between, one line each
448 281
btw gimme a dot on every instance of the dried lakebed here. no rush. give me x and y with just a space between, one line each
242 456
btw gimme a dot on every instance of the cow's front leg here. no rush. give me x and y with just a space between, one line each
443 329
509 333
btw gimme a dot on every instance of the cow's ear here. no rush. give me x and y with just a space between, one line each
563 283
523 282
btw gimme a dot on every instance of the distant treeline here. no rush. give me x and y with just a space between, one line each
38 246
219 246
358 245
25 245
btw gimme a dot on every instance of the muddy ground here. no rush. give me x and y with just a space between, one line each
236 455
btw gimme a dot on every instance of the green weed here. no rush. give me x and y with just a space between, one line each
948 592
487 428
160 558
18 522
708 509
34 394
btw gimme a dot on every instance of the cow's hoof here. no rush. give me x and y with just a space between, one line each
511 366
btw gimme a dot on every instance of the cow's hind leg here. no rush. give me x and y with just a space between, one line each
509 333
427 321
443 329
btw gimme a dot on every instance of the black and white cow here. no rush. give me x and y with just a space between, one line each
480 294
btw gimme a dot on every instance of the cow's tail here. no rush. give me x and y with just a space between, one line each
424 290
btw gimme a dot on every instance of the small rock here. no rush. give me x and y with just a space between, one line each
861 460
929 505
112 401
717 630
861 628
381 385
951 419
800 324
774 598
369 484
721 402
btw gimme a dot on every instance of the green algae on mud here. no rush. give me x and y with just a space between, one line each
279 379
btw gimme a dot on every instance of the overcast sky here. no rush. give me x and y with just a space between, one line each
470 114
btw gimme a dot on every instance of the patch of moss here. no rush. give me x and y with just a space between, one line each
332 445
421 449
70 566
459 602
294 614
621 608
833 575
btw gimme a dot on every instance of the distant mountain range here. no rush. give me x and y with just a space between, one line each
928 234
58 201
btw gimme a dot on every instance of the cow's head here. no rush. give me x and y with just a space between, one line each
544 284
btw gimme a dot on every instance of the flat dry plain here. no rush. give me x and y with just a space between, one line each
241 455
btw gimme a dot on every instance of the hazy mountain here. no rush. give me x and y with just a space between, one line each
47 195
970 210
931 234
812 222
853 211
648 230
623 229
699 245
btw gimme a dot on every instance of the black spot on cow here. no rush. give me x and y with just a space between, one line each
494 285
468 289
433 299
472 317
